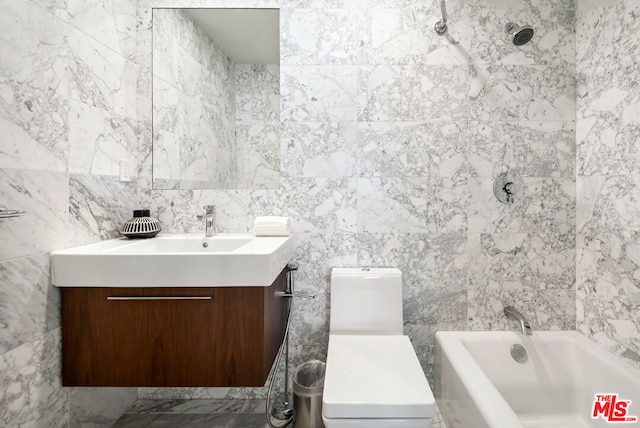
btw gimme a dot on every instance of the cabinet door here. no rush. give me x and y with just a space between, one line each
163 336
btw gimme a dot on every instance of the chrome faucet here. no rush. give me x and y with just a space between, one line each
209 218
525 327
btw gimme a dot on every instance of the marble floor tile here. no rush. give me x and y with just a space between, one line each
209 413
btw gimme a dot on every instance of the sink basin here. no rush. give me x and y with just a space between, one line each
174 260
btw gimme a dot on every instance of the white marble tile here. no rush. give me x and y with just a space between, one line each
25 59
314 204
392 205
319 149
98 140
608 117
99 407
448 205
611 325
528 261
177 209
607 146
536 149
309 36
545 310
322 252
412 149
546 7
35 126
111 22
99 206
539 203
608 205
553 42
44 197
433 263
412 93
100 77
605 45
535 93
31 384
319 93
182 393
405 35
550 205
30 304
71 63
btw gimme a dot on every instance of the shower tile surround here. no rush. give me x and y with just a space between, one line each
391 137
608 176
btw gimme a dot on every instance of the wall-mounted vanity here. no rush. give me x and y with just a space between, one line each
172 311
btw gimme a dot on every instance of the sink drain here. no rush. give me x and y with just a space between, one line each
519 353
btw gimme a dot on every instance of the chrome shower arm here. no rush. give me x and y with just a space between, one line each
441 26
443 9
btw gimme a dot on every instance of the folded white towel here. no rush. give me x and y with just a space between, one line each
272 226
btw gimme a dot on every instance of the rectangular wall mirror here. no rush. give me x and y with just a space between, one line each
216 98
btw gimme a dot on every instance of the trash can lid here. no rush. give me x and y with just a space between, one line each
375 377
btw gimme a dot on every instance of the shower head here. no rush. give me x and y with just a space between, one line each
520 35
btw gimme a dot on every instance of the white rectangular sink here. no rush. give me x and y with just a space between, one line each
180 260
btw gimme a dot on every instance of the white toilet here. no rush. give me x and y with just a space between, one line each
373 378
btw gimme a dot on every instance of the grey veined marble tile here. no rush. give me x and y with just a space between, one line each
607 145
113 24
399 149
314 204
412 93
509 92
33 394
536 149
29 304
318 93
545 310
405 35
608 205
522 261
552 44
35 126
309 36
319 149
44 196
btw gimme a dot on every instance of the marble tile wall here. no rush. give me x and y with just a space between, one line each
391 137
608 175
67 117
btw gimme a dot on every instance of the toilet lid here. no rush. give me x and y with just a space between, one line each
375 377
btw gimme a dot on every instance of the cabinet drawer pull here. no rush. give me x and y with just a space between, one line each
159 298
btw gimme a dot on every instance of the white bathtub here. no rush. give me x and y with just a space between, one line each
479 384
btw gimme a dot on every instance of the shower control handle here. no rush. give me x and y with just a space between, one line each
508 190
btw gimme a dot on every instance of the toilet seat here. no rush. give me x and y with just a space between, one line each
372 376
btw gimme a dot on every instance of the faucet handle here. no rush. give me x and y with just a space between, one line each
209 209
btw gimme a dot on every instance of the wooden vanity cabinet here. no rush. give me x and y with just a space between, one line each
179 337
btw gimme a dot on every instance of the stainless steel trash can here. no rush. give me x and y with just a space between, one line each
308 384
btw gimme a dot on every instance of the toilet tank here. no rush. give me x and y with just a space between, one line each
366 301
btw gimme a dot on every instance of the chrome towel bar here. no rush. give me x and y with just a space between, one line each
10 213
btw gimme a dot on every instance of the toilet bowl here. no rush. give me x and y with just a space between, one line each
373 378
